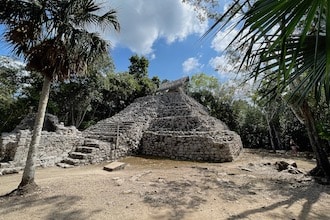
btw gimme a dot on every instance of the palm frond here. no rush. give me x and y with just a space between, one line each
52 35
282 38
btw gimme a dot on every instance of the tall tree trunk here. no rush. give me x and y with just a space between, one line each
81 119
317 145
273 133
29 170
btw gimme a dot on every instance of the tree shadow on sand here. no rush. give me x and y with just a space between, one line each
309 193
61 206
178 196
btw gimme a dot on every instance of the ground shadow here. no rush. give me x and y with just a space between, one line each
178 196
61 206
308 193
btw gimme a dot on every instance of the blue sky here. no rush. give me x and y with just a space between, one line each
168 34
170 58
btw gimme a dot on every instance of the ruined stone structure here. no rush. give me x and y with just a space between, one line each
170 124
184 130
54 145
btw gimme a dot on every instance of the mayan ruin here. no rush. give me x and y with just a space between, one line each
169 124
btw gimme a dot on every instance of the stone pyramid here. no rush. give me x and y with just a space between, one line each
169 124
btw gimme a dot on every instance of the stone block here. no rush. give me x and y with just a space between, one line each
114 166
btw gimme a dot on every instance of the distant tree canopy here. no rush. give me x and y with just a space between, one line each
139 66
80 100
250 119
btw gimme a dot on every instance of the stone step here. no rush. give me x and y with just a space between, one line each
102 137
104 131
175 113
101 133
5 165
93 145
96 134
78 155
74 162
114 125
166 107
64 165
12 170
85 149
122 123
110 127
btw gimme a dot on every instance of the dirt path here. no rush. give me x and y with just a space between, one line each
249 188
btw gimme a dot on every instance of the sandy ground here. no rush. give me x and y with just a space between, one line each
249 188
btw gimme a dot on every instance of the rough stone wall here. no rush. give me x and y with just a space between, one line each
196 146
184 130
138 114
54 146
8 146
169 124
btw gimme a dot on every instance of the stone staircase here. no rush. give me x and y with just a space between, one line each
108 131
100 143
85 154
178 112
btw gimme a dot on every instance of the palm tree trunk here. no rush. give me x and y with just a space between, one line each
29 170
323 163
271 135
327 65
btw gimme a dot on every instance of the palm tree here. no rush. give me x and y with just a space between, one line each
286 37
286 42
54 40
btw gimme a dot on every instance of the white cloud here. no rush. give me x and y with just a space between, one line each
191 64
144 21
223 39
226 67
222 65
152 56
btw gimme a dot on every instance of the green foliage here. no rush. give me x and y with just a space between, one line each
12 108
252 122
205 8
80 100
323 119
216 97
8 85
52 35
203 82
287 38
324 131
71 100
118 91
252 126
139 66
218 108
